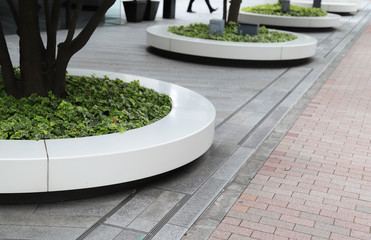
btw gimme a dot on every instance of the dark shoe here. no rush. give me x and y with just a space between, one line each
213 9
190 11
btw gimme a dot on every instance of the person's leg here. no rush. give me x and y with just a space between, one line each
190 6
209 6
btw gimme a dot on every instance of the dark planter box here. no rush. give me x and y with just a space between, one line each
169 9
151 10
248 28
317 3
285 6
135 10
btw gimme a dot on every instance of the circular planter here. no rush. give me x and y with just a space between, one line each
303 47
336 7
329 21
79 163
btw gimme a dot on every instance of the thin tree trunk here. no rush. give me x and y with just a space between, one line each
234 10
225 10
7 66
51 19
31 49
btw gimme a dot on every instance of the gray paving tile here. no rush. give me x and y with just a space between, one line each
273 93
41 233
124 216
24 219
233 164
188 214
170 232
142 224
160 207
202 229
220 207
104 232
260 105
130 235
74 209
247 172
22 209
292 77
265 128
232 132
191 177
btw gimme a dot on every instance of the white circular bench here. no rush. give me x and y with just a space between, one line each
302 47
329 21
330 6
79 163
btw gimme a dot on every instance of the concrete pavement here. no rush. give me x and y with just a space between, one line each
256 103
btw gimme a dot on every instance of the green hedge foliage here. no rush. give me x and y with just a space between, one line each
275 9
200 30
93 106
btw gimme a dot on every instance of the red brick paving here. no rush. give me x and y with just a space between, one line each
317 183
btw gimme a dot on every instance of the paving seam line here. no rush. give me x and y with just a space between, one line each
106 216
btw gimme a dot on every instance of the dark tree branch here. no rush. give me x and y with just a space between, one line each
13 9
57 4
84 36
52 19
48 16
72 27
225 10
67 49
7 66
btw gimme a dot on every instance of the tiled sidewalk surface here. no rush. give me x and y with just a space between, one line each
317 183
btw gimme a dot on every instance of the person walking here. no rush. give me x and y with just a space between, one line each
207 3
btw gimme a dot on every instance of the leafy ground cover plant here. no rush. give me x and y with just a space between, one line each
201 30
275 9
93 106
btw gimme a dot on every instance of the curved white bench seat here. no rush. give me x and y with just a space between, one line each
329 21
302 47
336 7
79 163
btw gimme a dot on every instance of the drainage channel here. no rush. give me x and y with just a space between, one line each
252 98
148 235
273 108
167 217
107 215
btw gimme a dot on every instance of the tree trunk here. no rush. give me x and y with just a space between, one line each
31 49
234 10
69 47
6 66
225 10
41 69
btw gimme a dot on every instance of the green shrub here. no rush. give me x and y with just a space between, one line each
93 106
275 9
200 30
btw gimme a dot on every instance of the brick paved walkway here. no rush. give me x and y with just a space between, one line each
317 183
